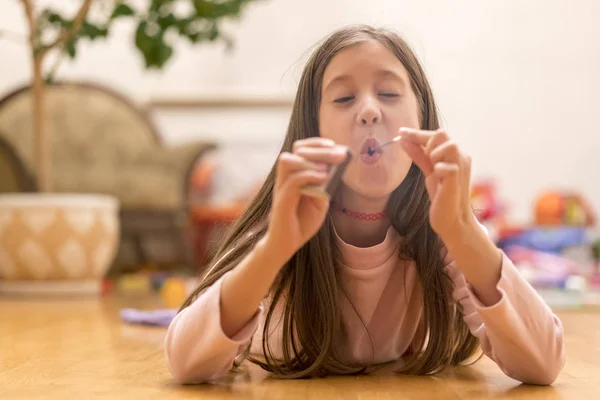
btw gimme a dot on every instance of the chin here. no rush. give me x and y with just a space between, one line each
371 191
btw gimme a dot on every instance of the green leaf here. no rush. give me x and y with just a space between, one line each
213 34
183 25
228 40
193 37
55 18
92 31
155 50
142 40
201 25
157 4
158 55
70 48
219 9
49 79
122 10
164 52
167 21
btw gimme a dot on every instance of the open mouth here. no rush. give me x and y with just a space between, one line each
370 151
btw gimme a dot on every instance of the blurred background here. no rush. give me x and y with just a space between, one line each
180 119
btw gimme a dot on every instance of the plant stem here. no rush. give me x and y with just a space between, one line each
43 146
42 136
69 33
59 58
41 139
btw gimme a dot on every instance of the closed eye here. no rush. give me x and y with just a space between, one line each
344 99
389 94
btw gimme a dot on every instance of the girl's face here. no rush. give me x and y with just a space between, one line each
366 98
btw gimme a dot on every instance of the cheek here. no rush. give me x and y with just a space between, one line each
414 116
333 125
406 116
399 163
325 124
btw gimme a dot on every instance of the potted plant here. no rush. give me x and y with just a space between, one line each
65 242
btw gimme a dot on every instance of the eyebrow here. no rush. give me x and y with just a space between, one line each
382 73
388 73
337 79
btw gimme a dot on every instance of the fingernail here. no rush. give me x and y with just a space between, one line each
340 150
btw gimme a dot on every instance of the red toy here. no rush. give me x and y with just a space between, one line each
563 208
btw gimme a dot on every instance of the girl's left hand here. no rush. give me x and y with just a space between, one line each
447 173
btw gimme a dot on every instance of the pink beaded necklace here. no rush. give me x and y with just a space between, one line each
358 215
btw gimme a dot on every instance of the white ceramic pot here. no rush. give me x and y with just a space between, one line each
56 243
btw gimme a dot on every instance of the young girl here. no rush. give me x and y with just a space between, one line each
394 269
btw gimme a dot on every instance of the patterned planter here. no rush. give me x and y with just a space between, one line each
56 243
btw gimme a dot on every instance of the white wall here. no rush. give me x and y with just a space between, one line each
517 81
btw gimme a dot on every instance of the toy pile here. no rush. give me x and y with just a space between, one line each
172 289
558 253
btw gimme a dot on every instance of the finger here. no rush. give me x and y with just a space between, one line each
416 153
445 170
446 152
438 138
333 155
447 175
294 162
300 180
289 163
447 190
418 136
312 142
321 203
431 183
466 178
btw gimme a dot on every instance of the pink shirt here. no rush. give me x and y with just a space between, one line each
520 332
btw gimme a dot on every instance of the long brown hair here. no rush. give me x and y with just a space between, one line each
307 285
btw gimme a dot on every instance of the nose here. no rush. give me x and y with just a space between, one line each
370 113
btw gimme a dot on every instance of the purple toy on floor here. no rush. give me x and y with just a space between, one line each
161 317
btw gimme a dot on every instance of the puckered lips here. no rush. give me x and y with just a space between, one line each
371 151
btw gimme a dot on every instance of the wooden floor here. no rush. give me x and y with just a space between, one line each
59 349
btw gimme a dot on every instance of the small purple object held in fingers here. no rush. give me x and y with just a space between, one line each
161 317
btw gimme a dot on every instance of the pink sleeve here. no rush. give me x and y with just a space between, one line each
196 348
520 332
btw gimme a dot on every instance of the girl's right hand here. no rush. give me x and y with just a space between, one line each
295 218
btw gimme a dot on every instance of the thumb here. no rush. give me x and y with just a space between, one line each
321 203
